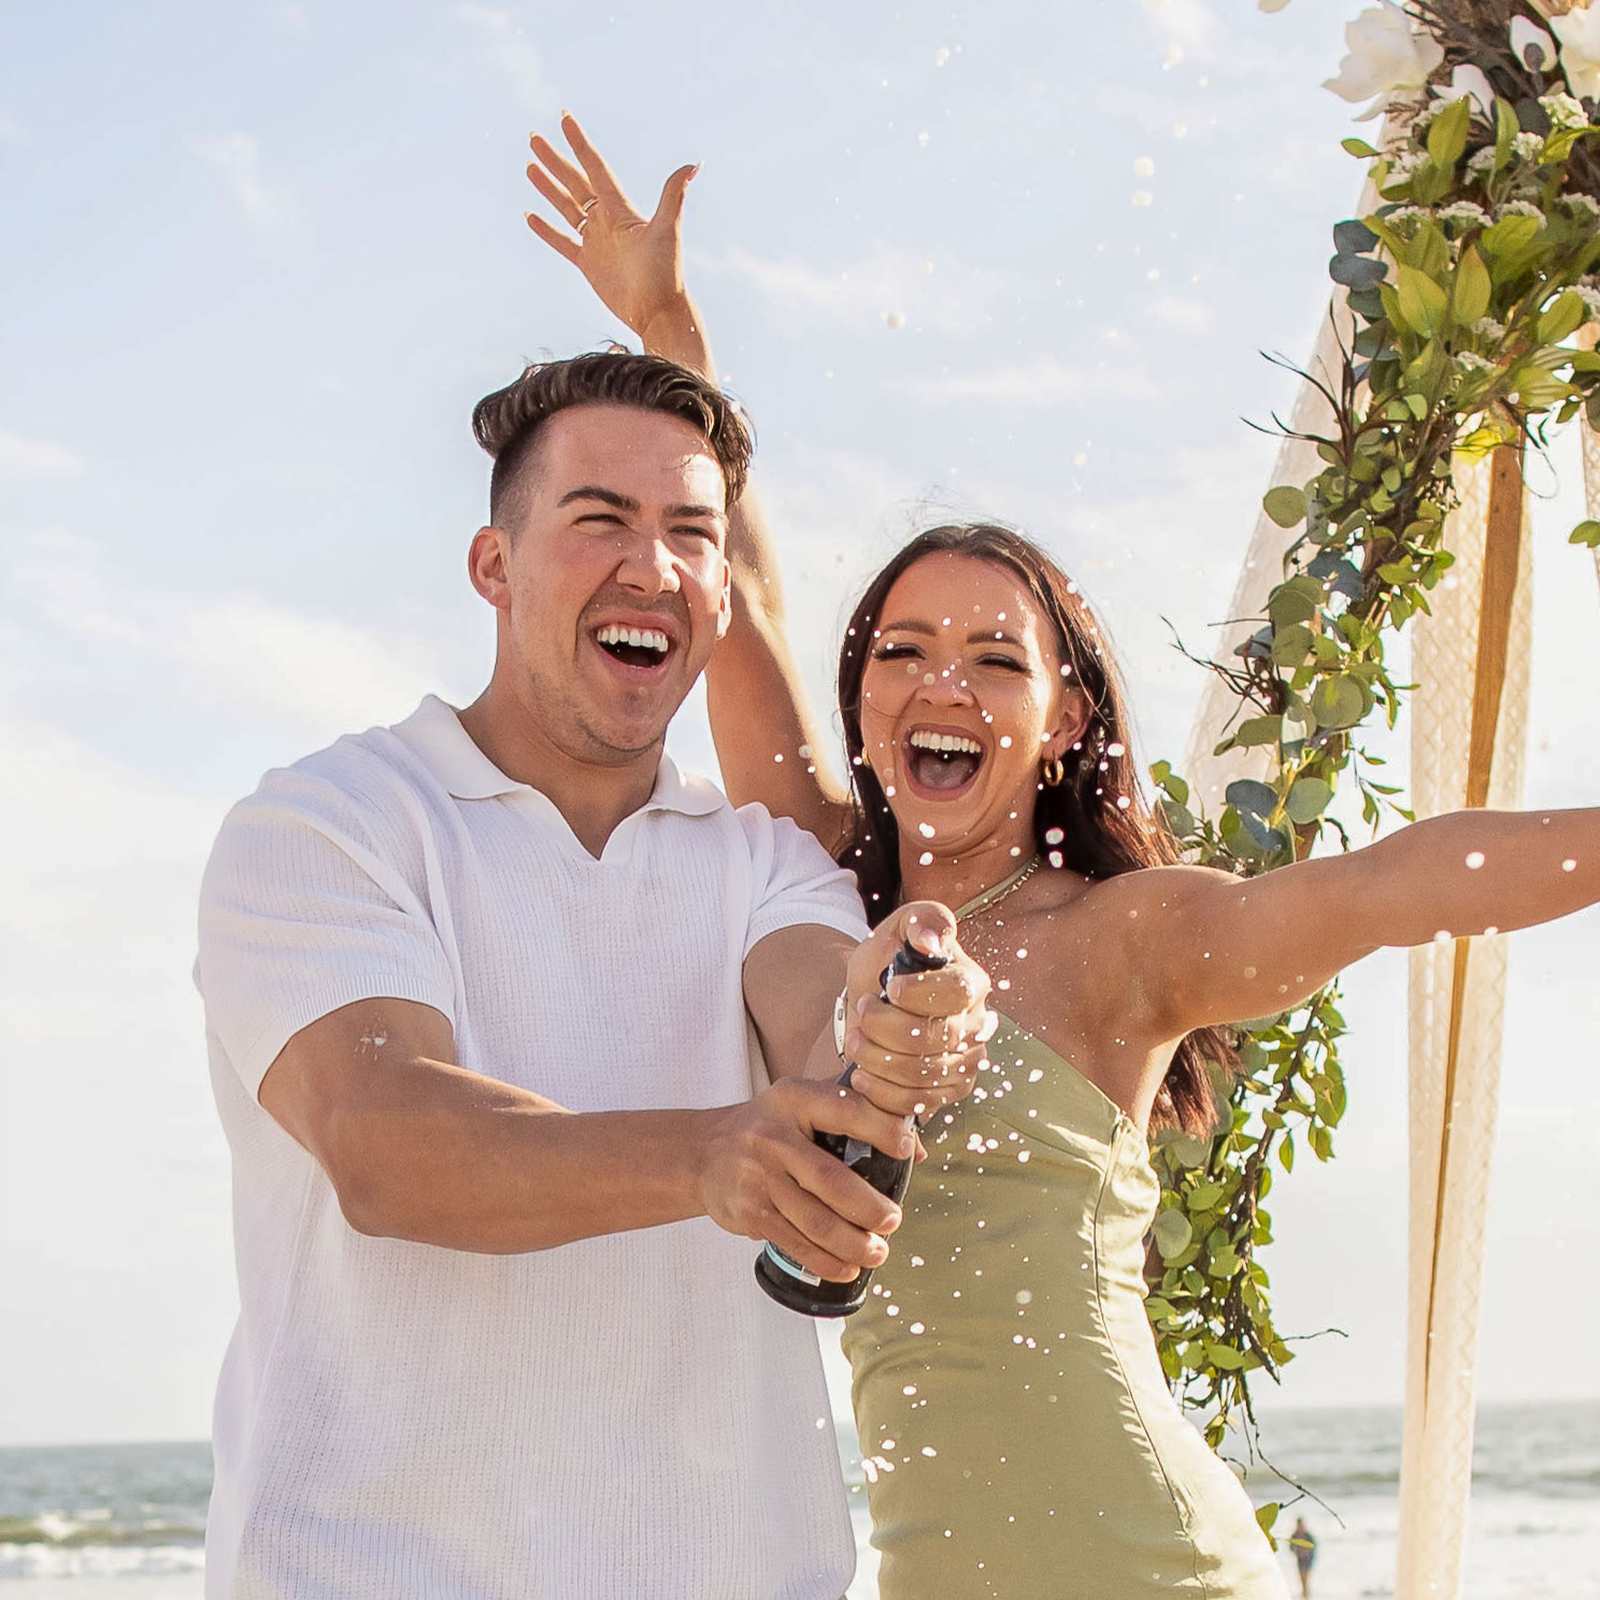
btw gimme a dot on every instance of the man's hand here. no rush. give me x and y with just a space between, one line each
921 1048
634 264
763 1176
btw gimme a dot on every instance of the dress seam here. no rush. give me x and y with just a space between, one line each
1116 1354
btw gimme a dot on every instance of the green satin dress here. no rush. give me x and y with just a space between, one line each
1018 1434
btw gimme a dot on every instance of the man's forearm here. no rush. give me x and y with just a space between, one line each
448 1158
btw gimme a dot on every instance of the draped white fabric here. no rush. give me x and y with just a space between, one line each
1452 1144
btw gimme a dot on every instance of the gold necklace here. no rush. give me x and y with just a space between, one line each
980 905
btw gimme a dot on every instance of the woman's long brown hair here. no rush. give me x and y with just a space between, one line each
1098 838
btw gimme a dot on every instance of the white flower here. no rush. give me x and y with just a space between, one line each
1465 211
1404 162
1579 33
1519 208
1564 112
1526 36
1470 363
1406 214
1585 203
1527 146
1480 161
1487 329
1469 80
1385 55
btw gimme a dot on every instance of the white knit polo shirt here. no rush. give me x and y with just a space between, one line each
617 1419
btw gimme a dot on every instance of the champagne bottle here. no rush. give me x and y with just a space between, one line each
786 1280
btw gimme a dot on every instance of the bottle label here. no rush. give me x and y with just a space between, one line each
793 1268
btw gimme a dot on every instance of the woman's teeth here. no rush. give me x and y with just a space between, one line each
943 761
945 743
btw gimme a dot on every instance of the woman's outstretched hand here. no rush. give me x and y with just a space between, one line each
634 263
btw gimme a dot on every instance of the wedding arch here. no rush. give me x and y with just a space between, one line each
1461 327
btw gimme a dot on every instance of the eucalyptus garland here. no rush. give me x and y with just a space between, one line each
1456 306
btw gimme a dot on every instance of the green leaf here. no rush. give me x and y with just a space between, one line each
1506 130
1294 601
1308 800
1447 135
1586 533
1423 304
1564 316
1286 1152
1338 702
1224 1356
1473 288
1252 798
1266 1516
1204 1195
1286 505
1173 1234
1291 645
1508 236
1259 731
1359 148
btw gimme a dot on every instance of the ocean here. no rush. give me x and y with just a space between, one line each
127 1521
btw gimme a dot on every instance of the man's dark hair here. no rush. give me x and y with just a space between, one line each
507 423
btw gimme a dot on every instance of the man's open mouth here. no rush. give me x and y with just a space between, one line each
642 648
942 764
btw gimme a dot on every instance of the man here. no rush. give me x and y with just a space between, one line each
1304 1544
480 994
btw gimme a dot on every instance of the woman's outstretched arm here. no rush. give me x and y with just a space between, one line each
1227 948
771 744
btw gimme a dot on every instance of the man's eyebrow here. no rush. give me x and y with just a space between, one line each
693 511
609 497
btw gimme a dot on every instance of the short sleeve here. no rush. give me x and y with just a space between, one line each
300 914
794 881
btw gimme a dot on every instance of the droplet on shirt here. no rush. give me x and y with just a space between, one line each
925 859
1474 860
925 829
1054 836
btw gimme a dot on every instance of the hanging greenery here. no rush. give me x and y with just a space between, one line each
1456 306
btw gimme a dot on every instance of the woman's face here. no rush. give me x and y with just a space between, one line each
962 697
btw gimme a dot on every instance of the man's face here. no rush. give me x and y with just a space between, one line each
616 581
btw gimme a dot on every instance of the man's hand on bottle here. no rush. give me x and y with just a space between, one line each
761 1175
921 1048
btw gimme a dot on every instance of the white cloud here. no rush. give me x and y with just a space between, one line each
1183 313
22 458
236 157
506 48
234 654
1044 381
1188 27
887 288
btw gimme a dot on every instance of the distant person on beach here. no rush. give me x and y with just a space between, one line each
491 1000
1304 1544
1017 1430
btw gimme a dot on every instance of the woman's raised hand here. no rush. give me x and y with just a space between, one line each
634 263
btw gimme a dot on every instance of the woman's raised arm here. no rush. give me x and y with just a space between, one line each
770 742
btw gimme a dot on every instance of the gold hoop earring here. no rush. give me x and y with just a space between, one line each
1054 771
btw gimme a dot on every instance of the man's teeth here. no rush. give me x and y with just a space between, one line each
952 743
639 638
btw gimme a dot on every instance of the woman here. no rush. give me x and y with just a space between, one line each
1019 1437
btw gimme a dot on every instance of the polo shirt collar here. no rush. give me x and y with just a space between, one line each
435 735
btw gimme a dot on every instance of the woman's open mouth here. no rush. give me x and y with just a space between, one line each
941 765
640 650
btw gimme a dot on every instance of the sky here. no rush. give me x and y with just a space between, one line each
1008 260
